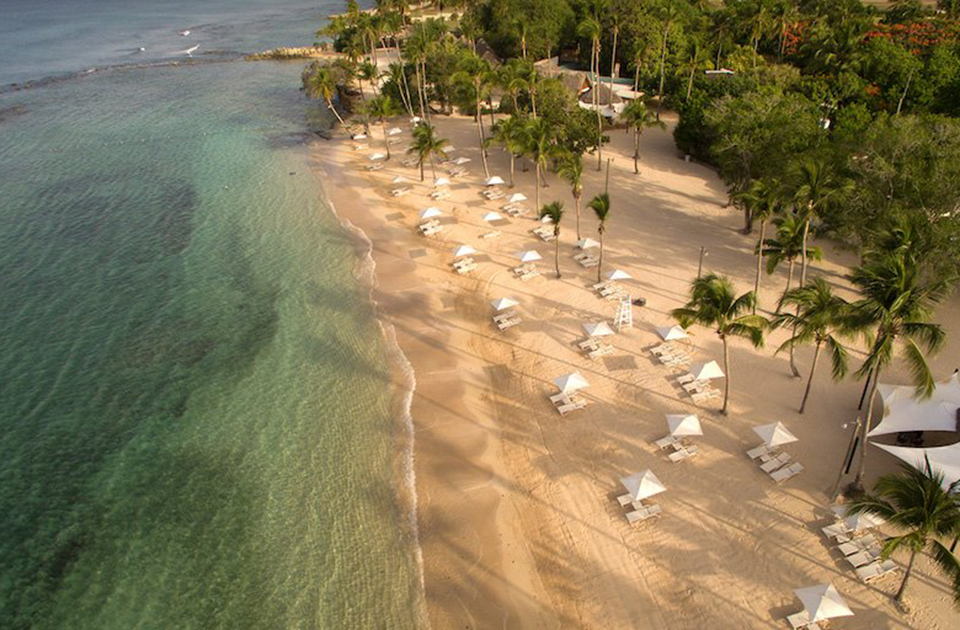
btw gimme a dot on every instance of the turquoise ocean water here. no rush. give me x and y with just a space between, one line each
195 425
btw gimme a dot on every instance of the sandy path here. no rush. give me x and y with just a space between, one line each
517 521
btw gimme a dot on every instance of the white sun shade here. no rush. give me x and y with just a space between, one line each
448 149
943 459
464 250
642 485
441 181
394 131
569 383
587 243
504 303
377 156
517 198
684 424
546 219
461 161
774 434
531 255
618 274
823 602
430 212
671 333
492 216
706 371
597 329
496 180
400 179
416 120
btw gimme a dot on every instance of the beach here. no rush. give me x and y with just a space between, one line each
517 517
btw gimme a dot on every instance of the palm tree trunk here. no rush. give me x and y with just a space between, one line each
483 154
613 60
636 74
906 576
556 250
386 139
803 253
576 201
421 168
813 369
423 114
663 62
512 158
426 99
756 282
335 113
726 372
636 150
786 289
600 263
858 481
596 101
533 98
537 164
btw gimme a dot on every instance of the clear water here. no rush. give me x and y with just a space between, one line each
195 427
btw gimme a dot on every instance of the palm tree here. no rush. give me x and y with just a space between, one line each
319 83
714 303
787 246
425 145
476 72
816 185
539 145
820 319
762 199
512 77
917 503
669 12
601 207
510 133
637 115
570 167
693 60
590 29
895 301
555 212
381 108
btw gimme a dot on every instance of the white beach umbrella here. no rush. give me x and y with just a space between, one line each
569 383
642 485
377 156
400 179
359 136
684 424
429 213
441 181
504 303
461 160
671 333
618 274
546 219
416 120
597 329
496 180
587 243
517 198
861 521
774 434
448 149
492 216
393 131
531 255
464 250
706 371
823 602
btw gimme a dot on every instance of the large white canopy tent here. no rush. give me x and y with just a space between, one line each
943 459
903 412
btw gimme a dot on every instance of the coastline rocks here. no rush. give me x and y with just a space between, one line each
304 52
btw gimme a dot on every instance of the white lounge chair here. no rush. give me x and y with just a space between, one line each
876 570
802 621
760 451
375 167
499 317
787 472
488 235
837 530
399 192
508 323
686 378
410 162
601 351
667 441
650 511
704 396
589 262
861 558
466 268
683 453
590 343
779 461
573 406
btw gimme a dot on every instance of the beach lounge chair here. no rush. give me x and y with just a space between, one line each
590 262
573 406
560 399
488 235
430 230
644 513
440 195
499 317
495 195
466 268
779 461
410 162
529 275
508 323
581 256
399 192
787 472
360 146
705 395
601 351
686 378
861 558
683 453
837 530
856 546
760 451
590 343
876 570
375 167
600 285
802 621
692 386
624 500
667 441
